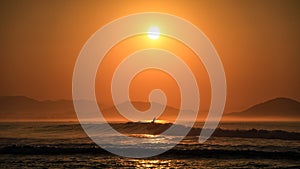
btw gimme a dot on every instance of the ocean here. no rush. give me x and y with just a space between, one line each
235 145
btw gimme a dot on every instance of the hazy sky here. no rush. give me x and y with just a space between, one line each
258 43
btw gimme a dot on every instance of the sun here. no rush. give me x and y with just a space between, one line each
153 32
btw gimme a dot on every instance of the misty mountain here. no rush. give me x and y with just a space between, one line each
24 108
278 108
21 107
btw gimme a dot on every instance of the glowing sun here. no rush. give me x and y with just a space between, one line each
153 32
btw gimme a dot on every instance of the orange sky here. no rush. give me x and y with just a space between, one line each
148 80
258 43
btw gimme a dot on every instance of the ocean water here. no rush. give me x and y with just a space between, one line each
65 145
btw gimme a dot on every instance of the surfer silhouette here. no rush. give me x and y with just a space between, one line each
153 121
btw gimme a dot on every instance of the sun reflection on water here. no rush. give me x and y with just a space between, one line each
152 163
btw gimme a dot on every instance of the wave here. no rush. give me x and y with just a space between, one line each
254 133
175 152
156 128
74 130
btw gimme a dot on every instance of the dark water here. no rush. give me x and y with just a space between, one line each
65 145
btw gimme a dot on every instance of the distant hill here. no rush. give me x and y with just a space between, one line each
18 108
275 109
24 108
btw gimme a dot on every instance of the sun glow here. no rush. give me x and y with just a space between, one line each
156 121
153 32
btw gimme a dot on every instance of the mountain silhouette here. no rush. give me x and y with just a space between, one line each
16 108
278 108
21 107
